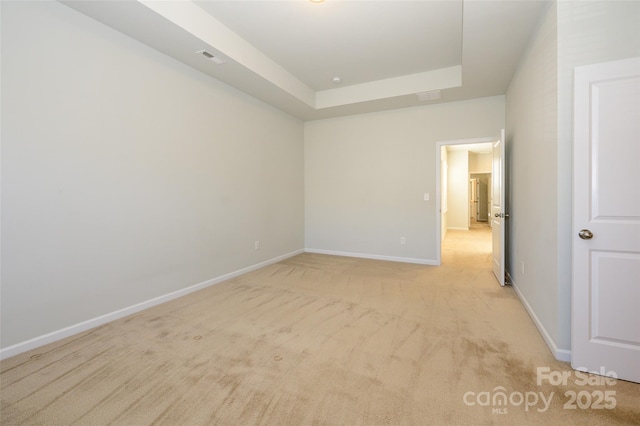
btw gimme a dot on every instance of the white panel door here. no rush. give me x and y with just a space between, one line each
605 330
498 214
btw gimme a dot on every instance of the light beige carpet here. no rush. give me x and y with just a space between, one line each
316 340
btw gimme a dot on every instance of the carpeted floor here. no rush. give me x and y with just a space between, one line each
318 340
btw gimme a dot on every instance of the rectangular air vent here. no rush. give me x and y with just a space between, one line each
210 56
432 95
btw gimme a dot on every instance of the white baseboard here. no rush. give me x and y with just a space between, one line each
112 316
374 256
456 228
559 354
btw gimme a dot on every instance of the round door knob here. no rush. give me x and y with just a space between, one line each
585 234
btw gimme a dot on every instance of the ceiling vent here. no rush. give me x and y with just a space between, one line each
432 95
210 56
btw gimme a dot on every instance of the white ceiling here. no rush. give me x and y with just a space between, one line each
357 41
287 52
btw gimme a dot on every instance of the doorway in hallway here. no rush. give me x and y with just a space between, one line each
464 232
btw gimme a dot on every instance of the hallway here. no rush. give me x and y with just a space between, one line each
472 247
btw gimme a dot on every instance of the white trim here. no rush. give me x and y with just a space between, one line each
112 316
457 228
559 354
374 256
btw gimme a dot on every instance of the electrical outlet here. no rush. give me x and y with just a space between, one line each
426 196
256 245
403 240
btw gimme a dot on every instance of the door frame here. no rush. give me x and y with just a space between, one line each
439 146
473 201
498 212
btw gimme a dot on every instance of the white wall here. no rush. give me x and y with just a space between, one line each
532 179
365 176
127 175
458 190
480 163
539 150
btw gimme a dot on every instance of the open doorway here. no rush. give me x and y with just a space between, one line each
464 178
479 197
